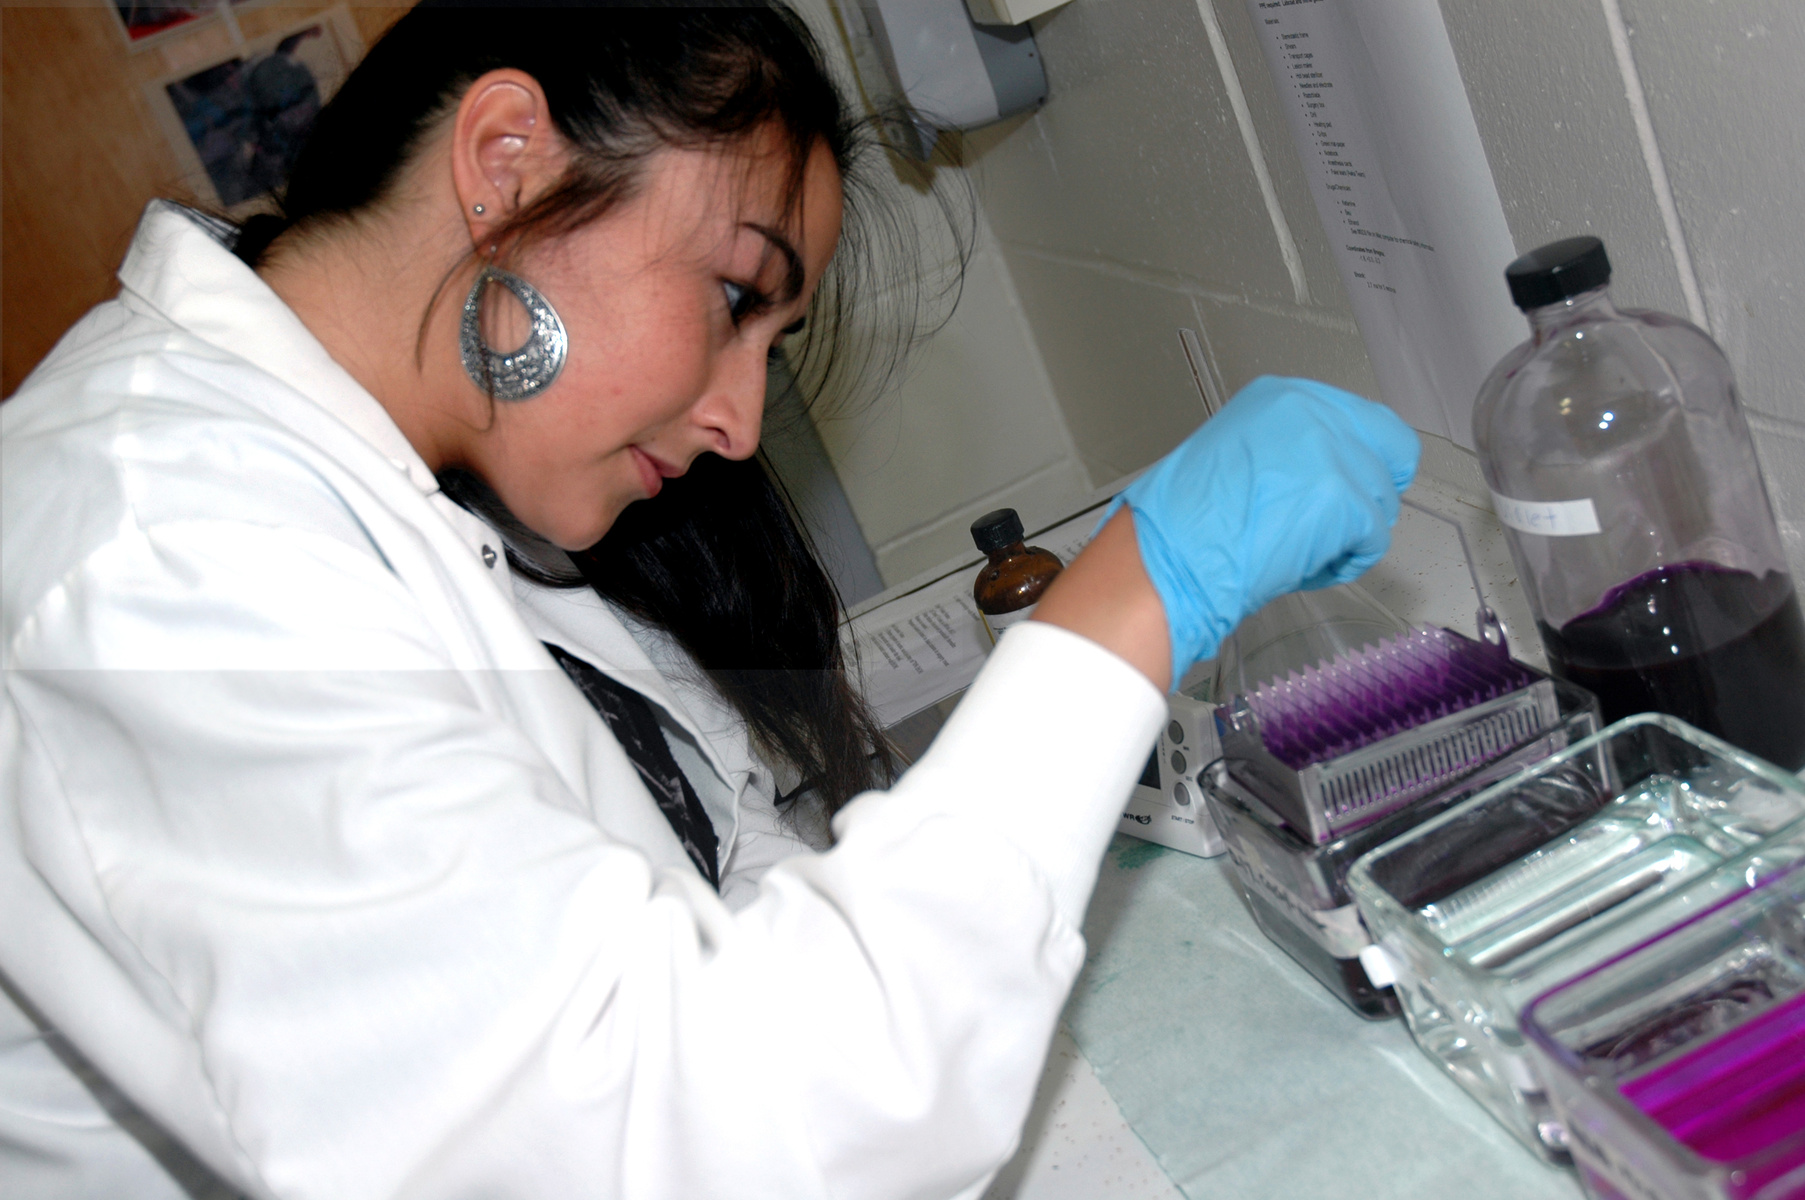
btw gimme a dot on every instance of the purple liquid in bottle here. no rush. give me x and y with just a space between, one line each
1721 649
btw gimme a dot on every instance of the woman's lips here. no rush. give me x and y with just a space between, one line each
653 472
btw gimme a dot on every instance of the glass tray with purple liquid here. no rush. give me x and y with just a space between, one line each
1678 1068
1541 878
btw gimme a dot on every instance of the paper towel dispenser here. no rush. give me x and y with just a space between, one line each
946 69
1009 12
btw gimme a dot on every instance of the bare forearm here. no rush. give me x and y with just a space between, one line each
1107 596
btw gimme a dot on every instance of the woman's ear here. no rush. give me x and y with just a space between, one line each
504 151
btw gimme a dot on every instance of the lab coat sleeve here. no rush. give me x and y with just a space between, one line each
402 959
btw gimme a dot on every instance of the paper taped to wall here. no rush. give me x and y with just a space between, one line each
1387 138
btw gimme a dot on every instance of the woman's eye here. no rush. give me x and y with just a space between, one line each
742 301
775 353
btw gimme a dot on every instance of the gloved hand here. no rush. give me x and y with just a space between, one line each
1293 485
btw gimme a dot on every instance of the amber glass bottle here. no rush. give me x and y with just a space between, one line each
1011 583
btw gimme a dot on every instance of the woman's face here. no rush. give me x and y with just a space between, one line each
673 302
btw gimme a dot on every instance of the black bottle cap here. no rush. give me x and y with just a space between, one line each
1551 273
994 530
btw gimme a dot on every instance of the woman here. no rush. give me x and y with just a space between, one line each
321 877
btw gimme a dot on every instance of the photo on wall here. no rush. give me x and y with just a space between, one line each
237 124
146 20
150 22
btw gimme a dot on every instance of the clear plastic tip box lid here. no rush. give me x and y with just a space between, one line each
1544 876
1678 1069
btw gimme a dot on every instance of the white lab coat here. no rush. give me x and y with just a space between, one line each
311 856
709 741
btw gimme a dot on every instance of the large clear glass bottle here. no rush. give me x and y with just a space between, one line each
1621 465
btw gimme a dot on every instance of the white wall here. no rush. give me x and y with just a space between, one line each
1132 204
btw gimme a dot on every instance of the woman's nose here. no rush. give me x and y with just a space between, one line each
734 408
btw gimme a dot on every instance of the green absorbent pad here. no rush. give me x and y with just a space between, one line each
1246 1079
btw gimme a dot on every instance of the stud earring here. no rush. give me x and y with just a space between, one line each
477 209
520 373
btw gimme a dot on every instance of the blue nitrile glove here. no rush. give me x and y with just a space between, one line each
1293 485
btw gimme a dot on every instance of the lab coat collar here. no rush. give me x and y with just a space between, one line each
182 265
583 624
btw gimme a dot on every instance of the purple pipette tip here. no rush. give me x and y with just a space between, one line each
1373 693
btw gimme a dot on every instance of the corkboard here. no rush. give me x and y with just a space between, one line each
82 152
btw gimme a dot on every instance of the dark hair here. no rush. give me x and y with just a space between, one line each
717 560
622 80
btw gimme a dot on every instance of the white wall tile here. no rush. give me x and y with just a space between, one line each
1247 342
1129 207
1725 91
975 418
1136 158
1559 135
1109 338
1110 342
1042 499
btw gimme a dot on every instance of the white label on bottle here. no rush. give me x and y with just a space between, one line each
996 623
1550 518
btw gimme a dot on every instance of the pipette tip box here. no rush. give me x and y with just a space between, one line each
1322 765
1297 889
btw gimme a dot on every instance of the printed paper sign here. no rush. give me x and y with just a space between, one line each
1381 121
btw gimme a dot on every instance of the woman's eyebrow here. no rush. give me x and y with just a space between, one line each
795 276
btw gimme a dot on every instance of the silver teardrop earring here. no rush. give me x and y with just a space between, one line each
524 372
